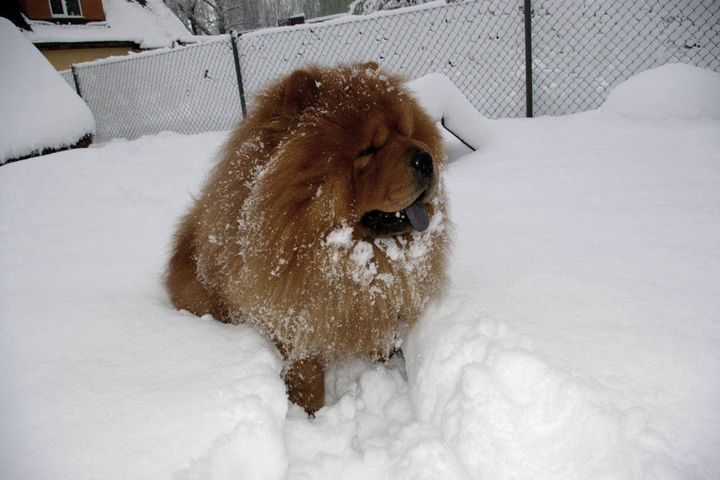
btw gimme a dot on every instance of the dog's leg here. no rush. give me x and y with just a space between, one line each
186 291
305 382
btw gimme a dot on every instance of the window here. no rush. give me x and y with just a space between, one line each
65 8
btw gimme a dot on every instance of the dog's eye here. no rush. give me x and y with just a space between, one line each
368 151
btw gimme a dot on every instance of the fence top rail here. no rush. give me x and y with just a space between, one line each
437 4
205 40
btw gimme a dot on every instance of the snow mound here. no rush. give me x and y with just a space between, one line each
508 413
38 109
671 91
443 101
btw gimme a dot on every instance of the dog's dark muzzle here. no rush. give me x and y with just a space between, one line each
415 216
422 166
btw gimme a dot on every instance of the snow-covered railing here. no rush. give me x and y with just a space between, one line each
580 51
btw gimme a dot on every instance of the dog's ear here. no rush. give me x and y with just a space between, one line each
372 65
301 88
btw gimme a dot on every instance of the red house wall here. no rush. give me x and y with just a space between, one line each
40 10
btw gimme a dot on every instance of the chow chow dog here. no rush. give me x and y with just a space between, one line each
324 224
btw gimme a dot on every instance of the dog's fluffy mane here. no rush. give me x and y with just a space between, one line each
275 239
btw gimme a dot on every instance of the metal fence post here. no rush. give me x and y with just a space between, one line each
233 41
75 79
528 60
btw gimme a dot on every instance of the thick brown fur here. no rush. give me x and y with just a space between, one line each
275 239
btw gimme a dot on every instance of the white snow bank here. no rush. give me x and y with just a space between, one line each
149 26
579 339
671 91
445 102
594 245
509 414
38 109
100 378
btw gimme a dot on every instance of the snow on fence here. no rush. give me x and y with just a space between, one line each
580 50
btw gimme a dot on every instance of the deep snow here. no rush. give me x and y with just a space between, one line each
579 338
38 109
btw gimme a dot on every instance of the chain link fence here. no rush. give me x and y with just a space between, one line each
478 45
186 90
580 50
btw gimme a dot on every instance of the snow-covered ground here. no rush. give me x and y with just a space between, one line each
38 109
580 338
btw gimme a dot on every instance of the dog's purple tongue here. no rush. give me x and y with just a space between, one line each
418 215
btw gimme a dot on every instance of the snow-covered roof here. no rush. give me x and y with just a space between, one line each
38 109
149 26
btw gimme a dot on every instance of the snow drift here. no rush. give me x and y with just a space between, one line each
38 109
671 91
445 103
579 338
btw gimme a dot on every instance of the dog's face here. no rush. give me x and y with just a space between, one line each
387 153
394 174
375 151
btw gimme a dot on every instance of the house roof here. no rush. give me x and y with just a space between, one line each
152 25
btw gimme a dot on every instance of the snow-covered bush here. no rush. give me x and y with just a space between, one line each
39 112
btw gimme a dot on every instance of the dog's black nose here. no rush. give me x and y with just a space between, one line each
422 162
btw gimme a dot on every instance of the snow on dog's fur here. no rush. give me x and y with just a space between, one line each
324 223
